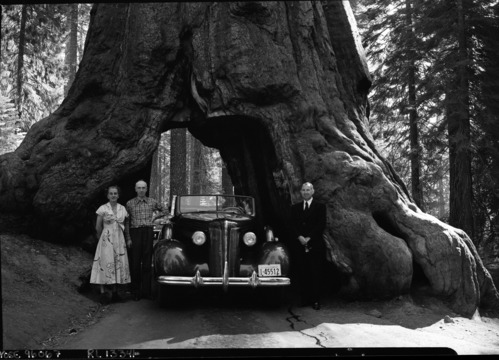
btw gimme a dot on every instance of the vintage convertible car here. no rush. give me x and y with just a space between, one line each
213 241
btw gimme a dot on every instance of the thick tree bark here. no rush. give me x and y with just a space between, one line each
280 88
459 134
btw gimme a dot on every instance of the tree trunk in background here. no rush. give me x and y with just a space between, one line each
227 187
178 162
155 182
164 155
280 88
197 167
71 46
416 185
441 199
461 191
20 60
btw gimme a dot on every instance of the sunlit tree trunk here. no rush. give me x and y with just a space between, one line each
155 183
71 45
164 155
417 186
441 198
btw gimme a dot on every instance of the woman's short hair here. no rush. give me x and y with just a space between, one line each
113 187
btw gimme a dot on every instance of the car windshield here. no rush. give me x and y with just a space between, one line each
220 203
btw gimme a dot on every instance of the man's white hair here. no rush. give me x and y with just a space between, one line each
308 183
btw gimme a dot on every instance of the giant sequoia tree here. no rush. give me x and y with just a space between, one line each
280 89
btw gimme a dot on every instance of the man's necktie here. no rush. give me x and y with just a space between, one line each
306 205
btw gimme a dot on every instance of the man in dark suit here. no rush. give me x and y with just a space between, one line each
308 225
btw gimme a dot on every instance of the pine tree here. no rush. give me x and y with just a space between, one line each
389 30
32 62
452 45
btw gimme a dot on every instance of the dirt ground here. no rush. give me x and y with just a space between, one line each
41 303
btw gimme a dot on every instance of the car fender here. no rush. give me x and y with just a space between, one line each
170 258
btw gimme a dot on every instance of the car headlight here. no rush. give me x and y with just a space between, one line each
198 238
249 238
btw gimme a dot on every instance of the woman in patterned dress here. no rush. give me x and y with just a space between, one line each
110 266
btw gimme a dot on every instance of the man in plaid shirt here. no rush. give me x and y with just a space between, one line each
139 236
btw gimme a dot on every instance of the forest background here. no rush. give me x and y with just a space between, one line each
434 102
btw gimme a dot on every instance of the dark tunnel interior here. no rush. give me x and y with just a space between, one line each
249 154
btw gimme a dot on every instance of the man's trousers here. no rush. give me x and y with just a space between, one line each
142 239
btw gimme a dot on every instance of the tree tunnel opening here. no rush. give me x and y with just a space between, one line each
248 151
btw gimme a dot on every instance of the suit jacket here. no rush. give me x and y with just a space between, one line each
310 223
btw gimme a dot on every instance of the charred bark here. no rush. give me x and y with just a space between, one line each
280 88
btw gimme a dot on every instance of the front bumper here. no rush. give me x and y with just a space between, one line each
198 280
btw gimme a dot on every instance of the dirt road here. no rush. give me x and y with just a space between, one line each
42 309
240 325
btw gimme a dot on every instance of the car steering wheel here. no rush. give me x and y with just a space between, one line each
237 209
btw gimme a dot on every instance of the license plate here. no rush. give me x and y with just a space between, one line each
269 270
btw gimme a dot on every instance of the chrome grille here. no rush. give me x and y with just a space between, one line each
233 250
224 246
216 249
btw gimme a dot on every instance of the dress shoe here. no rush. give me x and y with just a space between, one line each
316 306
